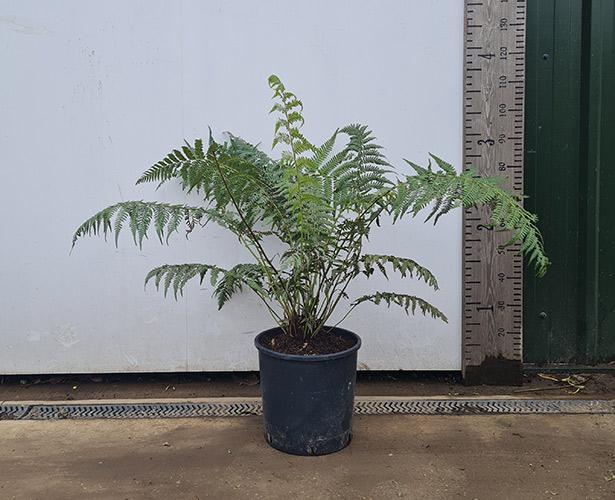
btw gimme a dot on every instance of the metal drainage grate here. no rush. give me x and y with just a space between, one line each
136 410
482 406
362 407
13 412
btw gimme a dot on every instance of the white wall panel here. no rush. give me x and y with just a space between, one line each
92 93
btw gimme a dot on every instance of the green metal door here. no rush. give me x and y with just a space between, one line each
570 178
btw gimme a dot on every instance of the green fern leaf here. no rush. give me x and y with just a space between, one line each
177 275
405 267
408 302
139 215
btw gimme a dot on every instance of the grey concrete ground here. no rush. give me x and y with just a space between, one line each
403 456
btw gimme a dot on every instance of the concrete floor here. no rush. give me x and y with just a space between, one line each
397 456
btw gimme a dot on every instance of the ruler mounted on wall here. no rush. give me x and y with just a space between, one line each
494 86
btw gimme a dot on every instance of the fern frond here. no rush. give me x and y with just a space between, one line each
166 219
290 120
175 163
408 302
361 170
406 267
446 189
234 279
177 275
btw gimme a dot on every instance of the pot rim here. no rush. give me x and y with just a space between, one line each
309 358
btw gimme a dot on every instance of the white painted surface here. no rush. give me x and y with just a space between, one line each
92 93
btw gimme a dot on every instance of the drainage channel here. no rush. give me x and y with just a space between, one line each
58 411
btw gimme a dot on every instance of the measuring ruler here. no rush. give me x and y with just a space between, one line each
494 85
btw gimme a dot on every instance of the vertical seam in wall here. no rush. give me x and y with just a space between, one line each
552 49
183 128
461 168
598 61
186 336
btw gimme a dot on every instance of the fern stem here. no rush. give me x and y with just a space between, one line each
249 228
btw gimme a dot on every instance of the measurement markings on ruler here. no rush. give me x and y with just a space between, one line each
494 80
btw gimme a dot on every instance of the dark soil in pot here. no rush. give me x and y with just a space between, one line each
308 398
323 343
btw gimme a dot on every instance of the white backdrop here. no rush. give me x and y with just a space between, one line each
93 93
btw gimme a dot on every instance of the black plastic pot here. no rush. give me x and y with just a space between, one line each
308 400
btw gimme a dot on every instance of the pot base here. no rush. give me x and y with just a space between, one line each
304 447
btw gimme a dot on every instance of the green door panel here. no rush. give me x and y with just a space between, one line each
569 316
598 271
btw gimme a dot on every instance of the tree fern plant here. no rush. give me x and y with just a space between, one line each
319 203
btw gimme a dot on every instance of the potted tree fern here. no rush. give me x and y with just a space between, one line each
318 203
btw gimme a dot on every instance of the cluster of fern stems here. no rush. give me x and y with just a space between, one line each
319 204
